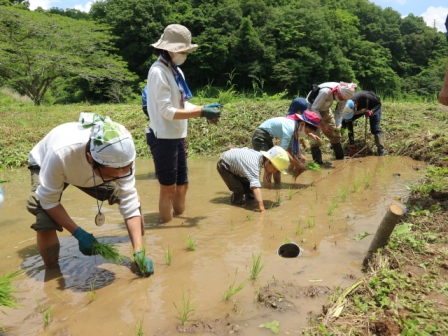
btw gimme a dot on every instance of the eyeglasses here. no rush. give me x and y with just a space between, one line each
97 166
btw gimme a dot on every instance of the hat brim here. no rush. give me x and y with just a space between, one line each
304 119
173 47
267 156
347 113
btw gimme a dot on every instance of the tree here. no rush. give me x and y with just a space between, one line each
36 48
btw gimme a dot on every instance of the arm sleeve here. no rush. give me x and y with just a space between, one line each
159 85
51 181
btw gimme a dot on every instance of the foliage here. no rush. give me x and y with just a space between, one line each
406 132
37 48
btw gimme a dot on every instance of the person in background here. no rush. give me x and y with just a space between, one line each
328 93
443 95
169 110
285 129
144 101
97 156
240 169
368 104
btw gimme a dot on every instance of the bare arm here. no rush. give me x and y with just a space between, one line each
259 199
187 114
60 216
134 226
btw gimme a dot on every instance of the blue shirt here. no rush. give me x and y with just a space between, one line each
280 128
144 103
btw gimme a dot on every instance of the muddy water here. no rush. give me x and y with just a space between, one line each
315 217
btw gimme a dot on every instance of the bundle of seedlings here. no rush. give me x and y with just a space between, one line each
6 290
108 251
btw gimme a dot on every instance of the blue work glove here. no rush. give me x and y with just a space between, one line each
149 266
85 241
211 111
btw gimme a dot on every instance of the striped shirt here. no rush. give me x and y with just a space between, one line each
245 162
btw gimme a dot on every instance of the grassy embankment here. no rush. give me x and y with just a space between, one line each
405 289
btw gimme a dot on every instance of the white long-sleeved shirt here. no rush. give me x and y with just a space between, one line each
163 99
61 156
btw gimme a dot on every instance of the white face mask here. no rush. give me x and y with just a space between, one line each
178 59
301 131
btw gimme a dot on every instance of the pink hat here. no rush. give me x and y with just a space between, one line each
308 116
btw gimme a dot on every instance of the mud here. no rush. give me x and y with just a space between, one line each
288 290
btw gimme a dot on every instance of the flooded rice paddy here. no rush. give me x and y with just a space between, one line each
88 296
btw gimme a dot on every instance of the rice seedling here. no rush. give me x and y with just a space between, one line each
355 185
278 197
6 290
290 193
91 292
313 166
343 194
333 205
108 251
311 223
287 240
190 243
47 313
139 328
256 267
186 309
250 217
367 179
140 262
231 291
168 255
299 229
273 326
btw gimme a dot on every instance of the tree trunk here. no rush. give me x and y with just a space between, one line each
443 95
384 231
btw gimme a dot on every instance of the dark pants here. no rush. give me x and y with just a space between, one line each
374 121
170 159
262 140
43 221
240 186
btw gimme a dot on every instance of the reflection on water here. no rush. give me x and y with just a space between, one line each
323 212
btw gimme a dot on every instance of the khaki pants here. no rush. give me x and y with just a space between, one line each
333 135
43 221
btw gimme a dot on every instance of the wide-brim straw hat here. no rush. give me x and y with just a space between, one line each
175 38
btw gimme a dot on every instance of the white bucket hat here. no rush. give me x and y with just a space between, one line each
175 38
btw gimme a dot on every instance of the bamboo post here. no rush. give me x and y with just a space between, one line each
384 231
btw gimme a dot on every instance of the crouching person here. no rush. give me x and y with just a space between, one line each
96 155
240 169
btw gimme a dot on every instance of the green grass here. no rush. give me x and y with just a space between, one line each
23 125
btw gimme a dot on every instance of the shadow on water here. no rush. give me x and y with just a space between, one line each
319 221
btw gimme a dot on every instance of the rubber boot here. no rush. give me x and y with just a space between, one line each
338 151
317 155
379 142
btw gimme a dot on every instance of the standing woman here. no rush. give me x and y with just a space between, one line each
169 109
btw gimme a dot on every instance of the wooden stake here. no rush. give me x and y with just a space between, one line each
384 231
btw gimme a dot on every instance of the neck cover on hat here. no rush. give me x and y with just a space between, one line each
110 142
180 80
